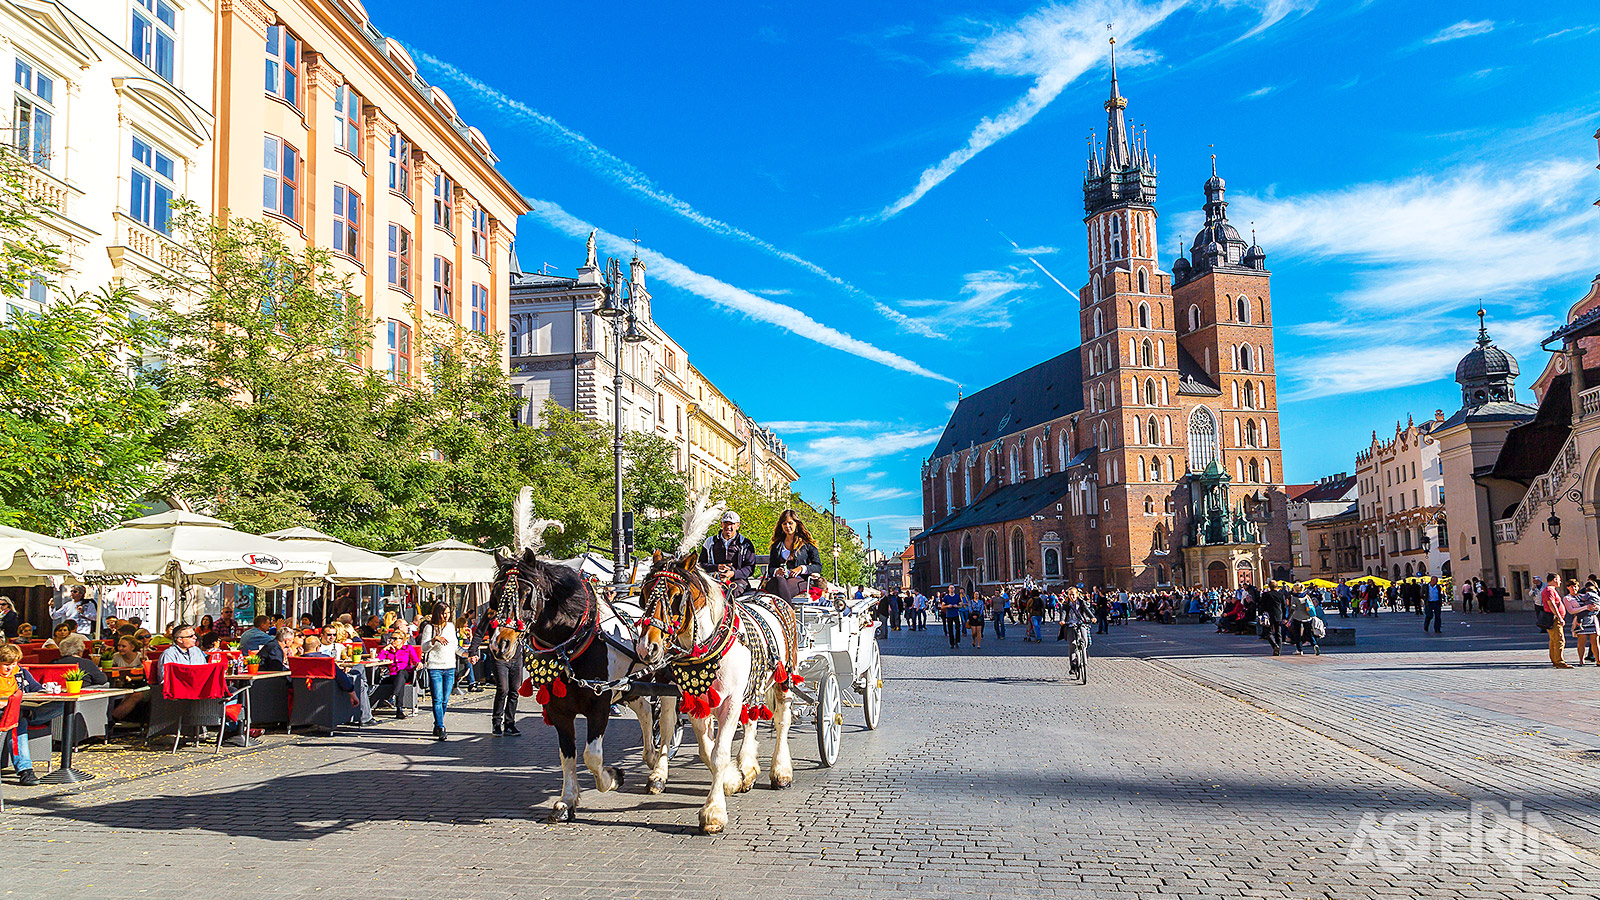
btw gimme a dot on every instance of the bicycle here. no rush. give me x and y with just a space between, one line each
1080 653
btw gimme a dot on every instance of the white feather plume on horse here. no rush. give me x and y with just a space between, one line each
529 531
698 518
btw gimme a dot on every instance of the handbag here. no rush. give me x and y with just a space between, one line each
1546 619
1319 628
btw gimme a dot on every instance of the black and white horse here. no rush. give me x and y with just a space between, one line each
575 641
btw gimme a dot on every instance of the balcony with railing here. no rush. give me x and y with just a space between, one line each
1505 531
1547 487
155 248
1589 403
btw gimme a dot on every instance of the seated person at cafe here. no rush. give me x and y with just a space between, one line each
185 651
209 641
372 628
61 631
128 655
256 636
227 628
353 682
404 659
332 645
9 620
306 622
109 629
72 647
275 655
207 625
14 678
24 632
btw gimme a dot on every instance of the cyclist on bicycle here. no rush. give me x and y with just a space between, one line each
1078 616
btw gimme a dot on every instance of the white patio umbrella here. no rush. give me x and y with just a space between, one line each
349 564
27 558
178 548
451 562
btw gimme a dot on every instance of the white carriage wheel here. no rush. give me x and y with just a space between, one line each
872 696
830 717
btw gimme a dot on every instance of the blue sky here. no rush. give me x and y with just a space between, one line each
888 194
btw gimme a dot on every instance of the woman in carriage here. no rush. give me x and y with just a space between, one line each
793 558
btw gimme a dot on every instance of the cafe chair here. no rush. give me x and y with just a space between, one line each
8 729
314 696
195 695
48 654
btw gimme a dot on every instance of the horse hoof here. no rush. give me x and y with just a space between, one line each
712 824
617 778
780 783
560 814
656 785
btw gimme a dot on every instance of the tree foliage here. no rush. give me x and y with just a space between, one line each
78 421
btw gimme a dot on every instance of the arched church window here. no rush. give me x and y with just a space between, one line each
1099 323
1099 398
949 487
944 562
1016 467
1144 281
966 484
1202 439
1253 472
991 557
1249 395
966 551
1019 555
1155 468
1094 290
1144 308
1244 357
1155 435
1116 237
1149 392
1194 317
988 467
1250 433
1147 354
1038 458
1244 310
1149 506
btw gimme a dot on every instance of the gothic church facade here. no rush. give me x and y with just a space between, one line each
1149 454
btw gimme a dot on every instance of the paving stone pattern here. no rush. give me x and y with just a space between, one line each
993 776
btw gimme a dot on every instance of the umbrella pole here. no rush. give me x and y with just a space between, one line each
326 589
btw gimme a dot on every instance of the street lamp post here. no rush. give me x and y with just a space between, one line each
617 306
833 509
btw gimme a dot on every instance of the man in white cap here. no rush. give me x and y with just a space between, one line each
729 556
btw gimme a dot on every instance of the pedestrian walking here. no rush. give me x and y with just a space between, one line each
974 610
1002 604
505 661
950 614
896 609
1432 604
439 646
1586 623
1303 610
1270 607
1102 610
1553 618
919 611
1343 593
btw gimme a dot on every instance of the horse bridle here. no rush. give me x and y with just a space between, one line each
658 614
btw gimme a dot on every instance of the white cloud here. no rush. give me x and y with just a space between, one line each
985 301
1272 12
1441 240
1428 249
1035 251
1260 92
852 453
812 427
1461 29
773 292
727 296
1052 45
874 494
624 174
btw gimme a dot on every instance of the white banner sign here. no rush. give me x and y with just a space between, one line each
133 599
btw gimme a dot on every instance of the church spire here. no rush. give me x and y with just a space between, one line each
1117 153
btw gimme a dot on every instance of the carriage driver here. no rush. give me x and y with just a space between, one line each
729 555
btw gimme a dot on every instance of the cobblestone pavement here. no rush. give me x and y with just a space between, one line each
1477 709
993 776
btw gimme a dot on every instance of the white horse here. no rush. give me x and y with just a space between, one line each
733 663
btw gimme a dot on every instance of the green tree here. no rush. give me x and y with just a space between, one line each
654 490
78 422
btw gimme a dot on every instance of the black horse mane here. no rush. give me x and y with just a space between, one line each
553 595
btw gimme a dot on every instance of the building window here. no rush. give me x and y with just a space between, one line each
1144 309
282 180
444 193
153 36
399 258
1202 439
480 309
1144 288
347 222
480 232
399 351
347 120
1019 558
443 296
400 164
151 187
283 65
1253 472
33 113
1244 310
1052 562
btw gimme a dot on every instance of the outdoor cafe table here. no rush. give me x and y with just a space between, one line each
65 774
249 681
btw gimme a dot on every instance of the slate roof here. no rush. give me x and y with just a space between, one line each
1326 493
1012 501
1531 447
1193 380
1493 411
1049 390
